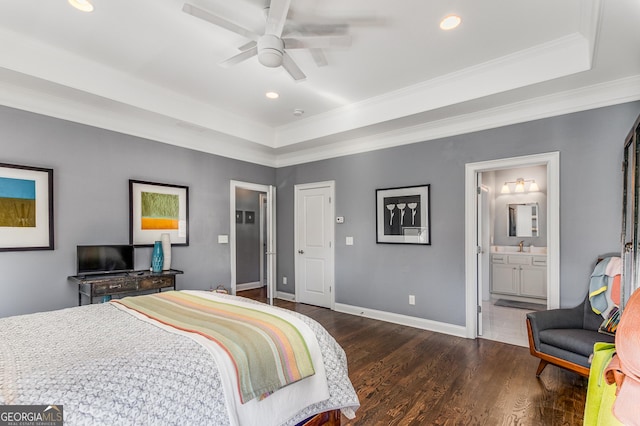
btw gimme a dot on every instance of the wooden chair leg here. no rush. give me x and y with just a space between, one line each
541 367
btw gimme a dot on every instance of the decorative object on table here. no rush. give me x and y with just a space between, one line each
239 216
155 208
26 208
249 217
403 215
166 250
157 258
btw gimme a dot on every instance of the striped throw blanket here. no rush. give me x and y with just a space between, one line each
267 351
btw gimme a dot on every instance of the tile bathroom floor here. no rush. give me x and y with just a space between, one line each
502 324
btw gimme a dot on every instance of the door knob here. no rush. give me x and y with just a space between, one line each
301 251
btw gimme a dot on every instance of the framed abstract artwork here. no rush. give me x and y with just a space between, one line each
155 209
249 217
402 215
26 208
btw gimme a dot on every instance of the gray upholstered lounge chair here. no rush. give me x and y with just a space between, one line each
565 337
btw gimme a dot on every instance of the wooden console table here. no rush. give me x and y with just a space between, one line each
123 283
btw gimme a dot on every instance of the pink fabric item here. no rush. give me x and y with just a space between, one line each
615 290
624 368
614 267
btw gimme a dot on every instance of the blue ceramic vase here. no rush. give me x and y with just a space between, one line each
157 257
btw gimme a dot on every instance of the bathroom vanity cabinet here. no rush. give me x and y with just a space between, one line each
519 274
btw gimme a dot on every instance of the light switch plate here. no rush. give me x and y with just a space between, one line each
340 219
349 241
223 239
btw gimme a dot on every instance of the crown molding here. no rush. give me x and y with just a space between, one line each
590 97
41 98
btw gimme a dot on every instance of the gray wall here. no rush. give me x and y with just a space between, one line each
92 168
248 237
381 276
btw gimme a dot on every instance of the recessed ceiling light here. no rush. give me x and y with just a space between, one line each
298 112
272 95
450 22
82 5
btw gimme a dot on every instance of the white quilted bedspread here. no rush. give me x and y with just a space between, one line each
107 367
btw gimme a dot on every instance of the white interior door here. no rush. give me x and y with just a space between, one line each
271 243
263 239
482 210
314 251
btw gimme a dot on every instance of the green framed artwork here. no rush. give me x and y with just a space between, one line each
155 209
26 208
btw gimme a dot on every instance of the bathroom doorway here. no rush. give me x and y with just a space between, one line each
512 244
513 234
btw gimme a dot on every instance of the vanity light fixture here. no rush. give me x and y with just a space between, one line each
520 186
450 22
83 5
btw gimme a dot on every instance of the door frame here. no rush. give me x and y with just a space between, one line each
269 190
552 161
483 254
263 227
332 213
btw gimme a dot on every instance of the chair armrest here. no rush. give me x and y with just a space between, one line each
555 318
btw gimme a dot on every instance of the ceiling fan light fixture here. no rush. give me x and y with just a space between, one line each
450 22
270 58
83 5
270 50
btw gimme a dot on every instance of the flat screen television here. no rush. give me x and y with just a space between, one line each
105 259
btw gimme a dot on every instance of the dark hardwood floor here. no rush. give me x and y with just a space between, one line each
407 376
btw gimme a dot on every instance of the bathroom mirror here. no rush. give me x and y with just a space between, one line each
523 220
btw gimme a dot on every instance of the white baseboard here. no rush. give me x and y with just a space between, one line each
286 296
248 286
424 324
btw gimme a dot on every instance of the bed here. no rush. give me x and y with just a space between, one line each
115 363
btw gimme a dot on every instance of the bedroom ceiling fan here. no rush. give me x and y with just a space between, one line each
278 37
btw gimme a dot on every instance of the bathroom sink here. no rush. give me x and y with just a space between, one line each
538 250
505 249
516 249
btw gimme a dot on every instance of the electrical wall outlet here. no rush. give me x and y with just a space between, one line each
284 280
412 299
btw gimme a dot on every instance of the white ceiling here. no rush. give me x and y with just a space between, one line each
146 68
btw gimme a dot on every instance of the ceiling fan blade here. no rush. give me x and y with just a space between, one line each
317 42
278 10
242 56
318 29
292 68
247 46
318 57
216 20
